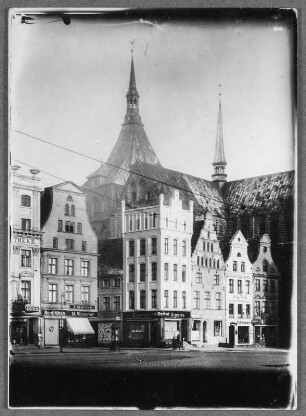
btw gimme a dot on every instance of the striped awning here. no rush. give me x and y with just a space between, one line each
79 326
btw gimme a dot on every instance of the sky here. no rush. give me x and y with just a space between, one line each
67 85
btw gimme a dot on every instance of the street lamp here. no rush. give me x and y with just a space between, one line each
61 324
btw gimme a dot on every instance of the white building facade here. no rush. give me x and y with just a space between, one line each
24 287
157 272
239 293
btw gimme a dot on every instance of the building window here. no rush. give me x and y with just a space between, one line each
218 264
264 265
217 328
131 248
166 271
247 284
272 308
154 271
84 245
26 290
142 299
264 307
105 283
142 247
199 277
84 268
216 280
69 293
52 293
69 244
69 227
79 228
231 285
131 272
166 245
154 245
247 310
166 298
52 265
257 285
184 245
25 258
272 286
257 308
55 242
154 220
240 313
85 294
142 272
175 247
25 224
69 267
72 211
175 272
183 273
265 285
146 221
239 286
210 263
243 266
196 299
137 223
66 209
206 262
117 303
207 300
116 282
231 310
234 266
198 260
60 225
25 201
211 247
175 299
154 298
184 299
202 261
208 245
218 301
131 224
106 303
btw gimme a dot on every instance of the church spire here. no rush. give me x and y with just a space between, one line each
132 99
219 162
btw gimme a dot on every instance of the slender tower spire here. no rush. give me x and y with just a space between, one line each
219 162
132 99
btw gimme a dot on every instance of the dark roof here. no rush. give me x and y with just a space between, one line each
197 227
258 195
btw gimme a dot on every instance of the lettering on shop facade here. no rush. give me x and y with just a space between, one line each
56 312
81 306
26 240
158 314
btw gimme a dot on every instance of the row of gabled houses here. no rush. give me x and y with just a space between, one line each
174 282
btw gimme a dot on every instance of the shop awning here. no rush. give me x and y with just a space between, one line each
79 326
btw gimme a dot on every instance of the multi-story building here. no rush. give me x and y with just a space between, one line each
109 305
266 296
157 271
24 289
207 285
68 265
239 293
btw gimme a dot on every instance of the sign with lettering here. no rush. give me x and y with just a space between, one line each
29 241
85 306
59 313
239 297
31 308
157 314
244 322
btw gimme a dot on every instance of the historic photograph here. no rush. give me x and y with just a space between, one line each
152 208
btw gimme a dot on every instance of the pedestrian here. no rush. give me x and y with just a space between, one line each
178 341
173 343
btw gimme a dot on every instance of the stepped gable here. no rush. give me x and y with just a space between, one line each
258 195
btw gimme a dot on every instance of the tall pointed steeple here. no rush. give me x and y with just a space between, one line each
219 162
132 99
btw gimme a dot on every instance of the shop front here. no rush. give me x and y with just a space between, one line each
154 328
240 332
266 334
108 327
24 324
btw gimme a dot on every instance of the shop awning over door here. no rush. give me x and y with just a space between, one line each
79 326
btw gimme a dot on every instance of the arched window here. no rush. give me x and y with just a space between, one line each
264 265
214 263
205 261
218 264
238 254
25 201
66 209
73 210
210 263
69 198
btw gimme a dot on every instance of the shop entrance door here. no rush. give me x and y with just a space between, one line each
184 329
153 334
204 331
232 335
243 335
31 330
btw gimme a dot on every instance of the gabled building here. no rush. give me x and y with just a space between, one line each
157 272
239 293
24 279
266 296
207 285
68 266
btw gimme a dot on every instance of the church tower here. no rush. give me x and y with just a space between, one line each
132 99
219 162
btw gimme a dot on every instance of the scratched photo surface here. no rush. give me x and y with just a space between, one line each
152 183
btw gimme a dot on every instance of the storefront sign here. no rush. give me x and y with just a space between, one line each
26 240
239 297
157 314
56 312
31 308
244 322
74 306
